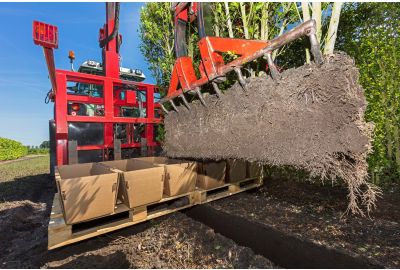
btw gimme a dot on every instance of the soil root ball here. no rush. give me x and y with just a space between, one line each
312 119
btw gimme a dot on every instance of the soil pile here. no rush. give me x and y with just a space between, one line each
312 119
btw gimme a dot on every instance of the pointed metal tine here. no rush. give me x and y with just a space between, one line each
272 68
315 49
216 89
197 90
173 105
240 77
185 102
163 108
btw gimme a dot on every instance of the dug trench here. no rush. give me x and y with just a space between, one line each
285 250
311 119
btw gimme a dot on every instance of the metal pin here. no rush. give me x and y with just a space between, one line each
272 68
185 102
315 49
163 108
197 90
216 89
240 77
173 105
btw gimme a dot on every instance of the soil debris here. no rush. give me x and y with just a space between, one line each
312 119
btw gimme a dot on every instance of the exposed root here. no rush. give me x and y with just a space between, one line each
313 119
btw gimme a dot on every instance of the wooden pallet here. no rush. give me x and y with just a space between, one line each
62 234
205 196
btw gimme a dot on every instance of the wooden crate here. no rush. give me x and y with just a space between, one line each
61 234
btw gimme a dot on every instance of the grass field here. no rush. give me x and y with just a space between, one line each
16 178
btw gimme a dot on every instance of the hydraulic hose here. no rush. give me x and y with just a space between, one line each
114 32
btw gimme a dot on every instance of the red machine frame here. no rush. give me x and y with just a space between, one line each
47 36
212 66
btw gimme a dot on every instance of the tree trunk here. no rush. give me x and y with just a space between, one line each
332 30
216 24
244 20
264 22
316 14
306 17
228 20
396 147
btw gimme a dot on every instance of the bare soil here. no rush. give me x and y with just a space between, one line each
175 241
316 212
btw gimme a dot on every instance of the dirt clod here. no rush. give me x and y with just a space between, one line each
312 119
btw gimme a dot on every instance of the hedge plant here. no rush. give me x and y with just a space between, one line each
10 149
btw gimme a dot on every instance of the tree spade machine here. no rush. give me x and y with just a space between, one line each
108 113
102 111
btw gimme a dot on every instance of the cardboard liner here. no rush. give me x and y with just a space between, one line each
211 174
254 169
236 170
141 182
87 191
180 175
156 160
180 178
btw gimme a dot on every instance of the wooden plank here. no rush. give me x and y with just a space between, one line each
227 190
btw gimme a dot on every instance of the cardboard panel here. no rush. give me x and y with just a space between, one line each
211 174
154 160
87 191
142 182
144 186
180 178
127 165
236 170
254 169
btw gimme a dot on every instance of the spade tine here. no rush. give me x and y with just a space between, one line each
240 77
163 108
182 96
197 90
315 49
173 105
274 71
216 89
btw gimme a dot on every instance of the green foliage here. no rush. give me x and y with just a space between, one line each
34 150
370 33
10 149
253 20
45 144
157 36
160 131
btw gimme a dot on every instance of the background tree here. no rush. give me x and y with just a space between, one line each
370 33
157 40
254 20
45 144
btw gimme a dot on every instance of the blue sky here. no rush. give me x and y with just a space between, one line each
23 73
